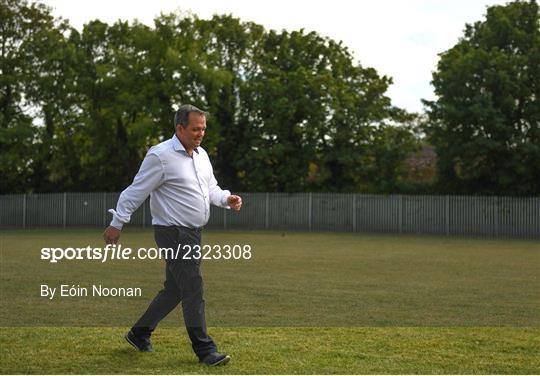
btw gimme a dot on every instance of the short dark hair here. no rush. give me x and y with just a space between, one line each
182 114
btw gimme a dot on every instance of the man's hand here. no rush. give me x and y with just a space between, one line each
234 202
111 235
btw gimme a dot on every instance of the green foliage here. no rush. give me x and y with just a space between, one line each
26 35
485 123
291 111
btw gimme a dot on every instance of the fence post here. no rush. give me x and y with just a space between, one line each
24 211
104 209
267 212
400 213
310 205
64 211
447 216
537 216
354 212
497 208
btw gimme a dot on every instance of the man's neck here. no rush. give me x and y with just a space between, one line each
188 151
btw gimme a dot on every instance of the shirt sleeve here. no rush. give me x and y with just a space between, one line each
218 196
149 177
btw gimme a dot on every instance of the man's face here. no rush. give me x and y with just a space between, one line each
192 135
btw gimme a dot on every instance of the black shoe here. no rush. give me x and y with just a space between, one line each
141 344
216 359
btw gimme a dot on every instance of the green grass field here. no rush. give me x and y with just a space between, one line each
304 303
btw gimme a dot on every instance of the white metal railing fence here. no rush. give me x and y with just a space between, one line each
508 217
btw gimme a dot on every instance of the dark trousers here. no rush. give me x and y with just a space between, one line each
183 283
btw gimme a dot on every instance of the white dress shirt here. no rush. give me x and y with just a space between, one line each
181 187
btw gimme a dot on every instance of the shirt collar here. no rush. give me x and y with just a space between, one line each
177 145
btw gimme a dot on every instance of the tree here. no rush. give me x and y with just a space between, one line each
118 92
33 74
485 122
387 153
291 111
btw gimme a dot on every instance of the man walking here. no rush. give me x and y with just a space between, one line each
178 176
